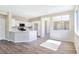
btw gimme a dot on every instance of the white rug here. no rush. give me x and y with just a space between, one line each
51 44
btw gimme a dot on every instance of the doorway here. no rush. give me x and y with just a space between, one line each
36 28
46 30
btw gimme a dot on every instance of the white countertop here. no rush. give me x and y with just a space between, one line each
22 31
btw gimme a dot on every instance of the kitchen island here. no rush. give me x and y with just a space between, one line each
23 36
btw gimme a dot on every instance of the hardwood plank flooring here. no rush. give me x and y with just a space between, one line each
35 48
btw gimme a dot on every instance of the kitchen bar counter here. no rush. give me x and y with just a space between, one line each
23 36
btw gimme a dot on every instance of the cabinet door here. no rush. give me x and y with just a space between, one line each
2 27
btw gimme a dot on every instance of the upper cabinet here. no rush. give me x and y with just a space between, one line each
13 22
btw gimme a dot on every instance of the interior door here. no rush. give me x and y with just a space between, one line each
2 27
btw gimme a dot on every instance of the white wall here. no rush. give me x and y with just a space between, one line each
60 35
76 41
2 27
41 25
64 35
43 19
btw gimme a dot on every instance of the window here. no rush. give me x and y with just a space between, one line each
57 18
64 25
61 22
77 20
65 17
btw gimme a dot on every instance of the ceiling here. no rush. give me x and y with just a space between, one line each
31 11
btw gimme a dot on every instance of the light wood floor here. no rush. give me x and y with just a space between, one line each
34 48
